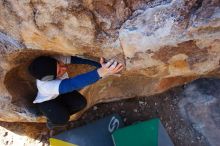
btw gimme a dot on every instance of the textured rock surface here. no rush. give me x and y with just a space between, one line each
201 108
22 134
163 43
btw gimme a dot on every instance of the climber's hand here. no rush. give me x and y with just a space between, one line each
109 68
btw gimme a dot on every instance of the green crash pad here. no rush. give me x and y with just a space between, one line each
97 133
148 133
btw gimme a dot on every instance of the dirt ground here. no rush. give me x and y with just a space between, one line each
163 106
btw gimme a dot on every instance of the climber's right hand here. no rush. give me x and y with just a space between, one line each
109 68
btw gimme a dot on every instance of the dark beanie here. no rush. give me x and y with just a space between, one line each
43 68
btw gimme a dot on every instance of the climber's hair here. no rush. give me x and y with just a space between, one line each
43 68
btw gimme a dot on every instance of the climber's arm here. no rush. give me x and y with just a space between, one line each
78 60
78 82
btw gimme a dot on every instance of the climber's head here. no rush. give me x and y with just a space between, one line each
46 68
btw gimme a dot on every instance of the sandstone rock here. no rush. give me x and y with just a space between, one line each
162 43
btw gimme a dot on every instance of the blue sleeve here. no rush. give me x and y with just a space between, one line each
78 82
77 60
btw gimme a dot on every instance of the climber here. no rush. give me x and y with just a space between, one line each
57 96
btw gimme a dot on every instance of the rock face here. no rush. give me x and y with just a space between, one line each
200 107
162 43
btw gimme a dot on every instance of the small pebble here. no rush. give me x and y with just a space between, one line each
135 110
6 133
123 112
95 108
141 103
